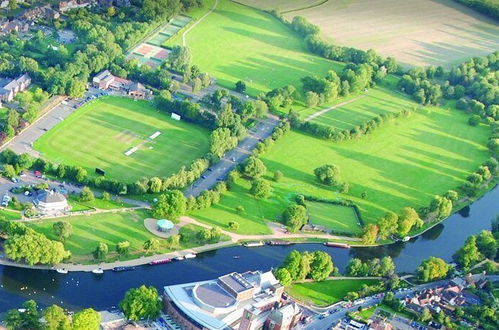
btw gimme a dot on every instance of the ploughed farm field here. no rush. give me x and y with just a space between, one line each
237 42
117 135
422 32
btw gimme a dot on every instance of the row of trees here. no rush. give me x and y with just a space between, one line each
374 267
475 79
300 266
14 164
480 177
329 133
487 7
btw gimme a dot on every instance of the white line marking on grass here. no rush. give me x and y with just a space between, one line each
184 35
131 151
323 111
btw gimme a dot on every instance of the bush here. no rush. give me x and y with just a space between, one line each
474 120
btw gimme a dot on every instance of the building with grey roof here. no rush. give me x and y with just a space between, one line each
49 202
10 87
233 301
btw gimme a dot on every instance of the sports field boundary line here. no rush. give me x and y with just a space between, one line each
323 111
184 35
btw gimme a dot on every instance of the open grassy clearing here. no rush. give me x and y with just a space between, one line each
337 217
404 163
362 108
9 214
438 32
99 134
326 292
97 203
112 228
236 42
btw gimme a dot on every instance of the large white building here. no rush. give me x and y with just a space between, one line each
234 301
49 202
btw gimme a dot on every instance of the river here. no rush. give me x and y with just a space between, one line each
77 290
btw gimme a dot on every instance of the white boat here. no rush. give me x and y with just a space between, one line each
179 258
62 270
254 244
190 256
98 271
405 239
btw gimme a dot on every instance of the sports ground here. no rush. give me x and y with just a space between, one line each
334 217
236 42
100 133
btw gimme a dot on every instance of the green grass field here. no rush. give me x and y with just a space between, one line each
97 203
362 108
111 228
99 134
337 217
236 42
326 292
404 163
6 214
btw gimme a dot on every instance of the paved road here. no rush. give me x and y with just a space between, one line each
232 158
23 142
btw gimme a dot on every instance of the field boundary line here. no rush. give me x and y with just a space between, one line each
323 111
304 8
184 35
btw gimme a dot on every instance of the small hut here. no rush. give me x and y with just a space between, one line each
165 225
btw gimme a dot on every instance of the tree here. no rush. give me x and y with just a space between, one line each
9 171
292 264
407 220
155 185
171 205
282 274
80 174
260 188
370 234
62 229
56 319
387 266
426 315
356 267
469 254
151 245
278 176
240 86
196 85
487 244
86 195
179 58
328 174
141 303
312 99
253 168
321 266
123 247
34 248
101 251
295 216
86 319
474 120
387 225
222 140
432 269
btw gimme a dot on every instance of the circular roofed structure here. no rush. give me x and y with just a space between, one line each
165 225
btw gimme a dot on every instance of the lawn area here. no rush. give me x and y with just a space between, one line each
251 221
326 292
9 215
97 203
98 135
112 228
403 163
337 217
236 42
109 228
359 109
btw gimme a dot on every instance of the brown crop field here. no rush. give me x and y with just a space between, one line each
415 32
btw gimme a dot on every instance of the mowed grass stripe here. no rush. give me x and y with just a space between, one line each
236 42
99 133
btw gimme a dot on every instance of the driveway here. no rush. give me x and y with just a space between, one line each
234 157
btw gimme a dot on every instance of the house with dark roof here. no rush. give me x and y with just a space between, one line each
105 80
50 202
10 87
